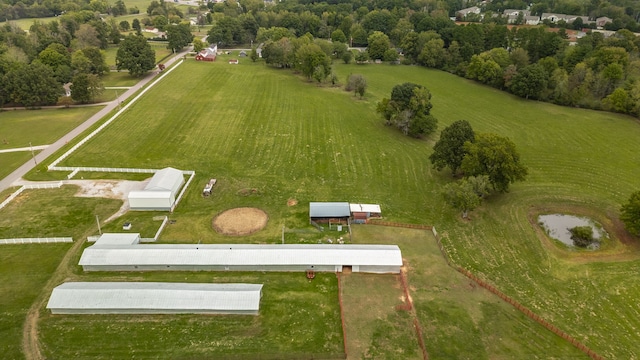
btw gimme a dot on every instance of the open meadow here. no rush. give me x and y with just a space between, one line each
269 137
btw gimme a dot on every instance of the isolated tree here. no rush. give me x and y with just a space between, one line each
449 151
461 196
178 36
254 54
347 57
362 57
85 88
124 25
135 25
582 236
409 109
356 83
496 157
630 214
310 56
135 55
198 45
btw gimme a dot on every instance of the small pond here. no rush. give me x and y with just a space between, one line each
557 226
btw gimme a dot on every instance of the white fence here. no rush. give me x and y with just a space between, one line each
28 187
37 240
103 169
184 188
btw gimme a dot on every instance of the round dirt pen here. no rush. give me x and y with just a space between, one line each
240 221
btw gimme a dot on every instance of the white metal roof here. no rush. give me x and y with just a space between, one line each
329 209
156 296
167 179
241 254
370 208
117 239
147 194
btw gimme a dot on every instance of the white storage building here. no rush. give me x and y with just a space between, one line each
160 193
242 257
154 298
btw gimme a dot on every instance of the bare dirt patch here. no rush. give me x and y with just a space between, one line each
292 202
111 189
240 221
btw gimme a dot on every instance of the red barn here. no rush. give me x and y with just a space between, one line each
208 54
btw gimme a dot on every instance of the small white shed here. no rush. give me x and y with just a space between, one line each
160 193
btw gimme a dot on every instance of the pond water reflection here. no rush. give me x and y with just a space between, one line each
557 226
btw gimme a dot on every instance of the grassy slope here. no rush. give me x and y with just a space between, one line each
11 161
290 142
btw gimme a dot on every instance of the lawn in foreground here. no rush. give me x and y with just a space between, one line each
259 128
25 269
297 316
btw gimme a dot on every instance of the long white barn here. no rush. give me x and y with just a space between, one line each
242 257
154 298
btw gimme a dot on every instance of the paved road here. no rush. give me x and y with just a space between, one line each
26 167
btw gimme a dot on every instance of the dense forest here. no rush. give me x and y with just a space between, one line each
534 62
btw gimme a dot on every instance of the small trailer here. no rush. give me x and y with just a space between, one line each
209 187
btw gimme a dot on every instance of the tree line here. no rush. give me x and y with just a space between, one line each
530 62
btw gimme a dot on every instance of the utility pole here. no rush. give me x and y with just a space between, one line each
33 155
98 221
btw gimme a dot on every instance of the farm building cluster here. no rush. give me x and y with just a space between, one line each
343 212
124 252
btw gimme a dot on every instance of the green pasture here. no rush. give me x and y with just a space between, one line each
117 78
13 160
39 127
262 129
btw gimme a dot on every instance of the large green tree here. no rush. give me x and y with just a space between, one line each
630 214
496 157
409 109
179 36
32 85
135 55
311 56
461 196
449 151
378 44
85 88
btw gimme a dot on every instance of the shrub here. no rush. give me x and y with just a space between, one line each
582 236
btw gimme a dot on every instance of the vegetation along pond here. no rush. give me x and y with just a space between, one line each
558 227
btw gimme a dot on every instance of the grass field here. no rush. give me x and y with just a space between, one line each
40 127
11 161
258 128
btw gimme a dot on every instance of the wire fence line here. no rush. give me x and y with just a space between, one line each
37 240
